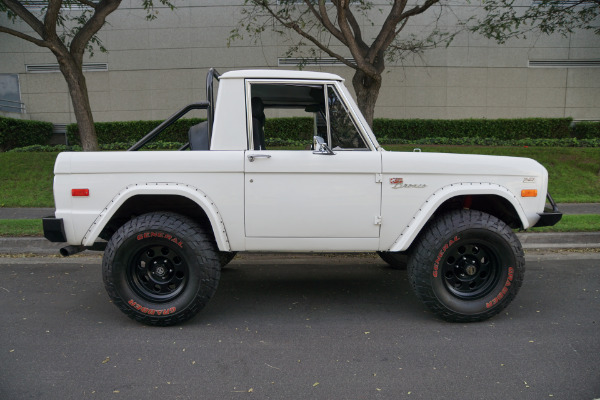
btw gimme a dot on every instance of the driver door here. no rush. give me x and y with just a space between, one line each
302 194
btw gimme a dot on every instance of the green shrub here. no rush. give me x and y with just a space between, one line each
282 130
18 133
481 141
505 129
587 130
297 128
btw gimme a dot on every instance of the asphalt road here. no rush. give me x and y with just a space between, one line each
318 328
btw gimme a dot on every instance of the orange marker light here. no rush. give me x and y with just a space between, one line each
80 192
529 193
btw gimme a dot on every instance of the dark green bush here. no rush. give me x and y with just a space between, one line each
297 128
505 129
132 131
282 130
19 133
587 130
275 142
480 141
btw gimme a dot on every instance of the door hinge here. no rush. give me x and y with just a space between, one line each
378 220
378 178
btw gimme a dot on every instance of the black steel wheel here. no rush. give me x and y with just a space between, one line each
161 268
158 272
471 269
466 266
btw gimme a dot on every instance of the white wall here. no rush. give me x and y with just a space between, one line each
157 67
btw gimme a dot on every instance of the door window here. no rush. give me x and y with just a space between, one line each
344 133
292 114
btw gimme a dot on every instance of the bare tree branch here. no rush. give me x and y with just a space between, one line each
355 28
23 13
23 36
50 19
294 26
357 52
92 26
323 17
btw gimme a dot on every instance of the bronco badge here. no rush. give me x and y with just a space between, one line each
399 184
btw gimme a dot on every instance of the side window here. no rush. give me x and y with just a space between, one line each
286 114
344 133
291 114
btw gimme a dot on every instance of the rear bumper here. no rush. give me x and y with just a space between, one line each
550 216
54 229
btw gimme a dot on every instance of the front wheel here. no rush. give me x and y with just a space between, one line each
467 266
161 268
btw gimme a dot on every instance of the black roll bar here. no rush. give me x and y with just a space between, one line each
210 77
204 105
208 105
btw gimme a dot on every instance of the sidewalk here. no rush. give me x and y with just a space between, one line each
530 241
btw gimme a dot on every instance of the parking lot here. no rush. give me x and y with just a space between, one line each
299 327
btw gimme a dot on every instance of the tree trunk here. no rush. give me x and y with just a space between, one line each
81 101
367 92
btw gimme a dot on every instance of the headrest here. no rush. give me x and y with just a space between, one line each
258 107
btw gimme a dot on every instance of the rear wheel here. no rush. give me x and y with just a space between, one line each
161 268
467 266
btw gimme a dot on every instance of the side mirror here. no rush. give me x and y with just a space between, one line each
320 147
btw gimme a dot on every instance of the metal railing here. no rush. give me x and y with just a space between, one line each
12 106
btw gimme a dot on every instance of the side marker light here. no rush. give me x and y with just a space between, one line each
80 192
529 193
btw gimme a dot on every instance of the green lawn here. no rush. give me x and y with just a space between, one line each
21 227
26 178
573 223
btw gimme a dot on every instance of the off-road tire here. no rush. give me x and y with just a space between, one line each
466 266
396 260
225 257
161 268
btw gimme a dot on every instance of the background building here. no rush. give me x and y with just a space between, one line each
154 68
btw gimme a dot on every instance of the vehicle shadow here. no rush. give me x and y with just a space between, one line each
312 290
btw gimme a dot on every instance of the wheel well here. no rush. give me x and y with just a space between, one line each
494 205
143 204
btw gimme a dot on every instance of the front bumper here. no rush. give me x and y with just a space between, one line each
54 229
550 216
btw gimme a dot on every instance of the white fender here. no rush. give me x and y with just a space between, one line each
160 188
423 215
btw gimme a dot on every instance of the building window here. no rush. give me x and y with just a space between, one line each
10 94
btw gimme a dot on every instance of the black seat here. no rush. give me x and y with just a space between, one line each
258 123
198 136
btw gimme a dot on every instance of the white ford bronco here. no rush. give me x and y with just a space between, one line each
168 221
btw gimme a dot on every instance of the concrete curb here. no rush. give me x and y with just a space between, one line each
530 241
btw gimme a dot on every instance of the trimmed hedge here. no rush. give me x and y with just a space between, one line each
476 141
392 130
296 128
587 130
505 129
19 133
